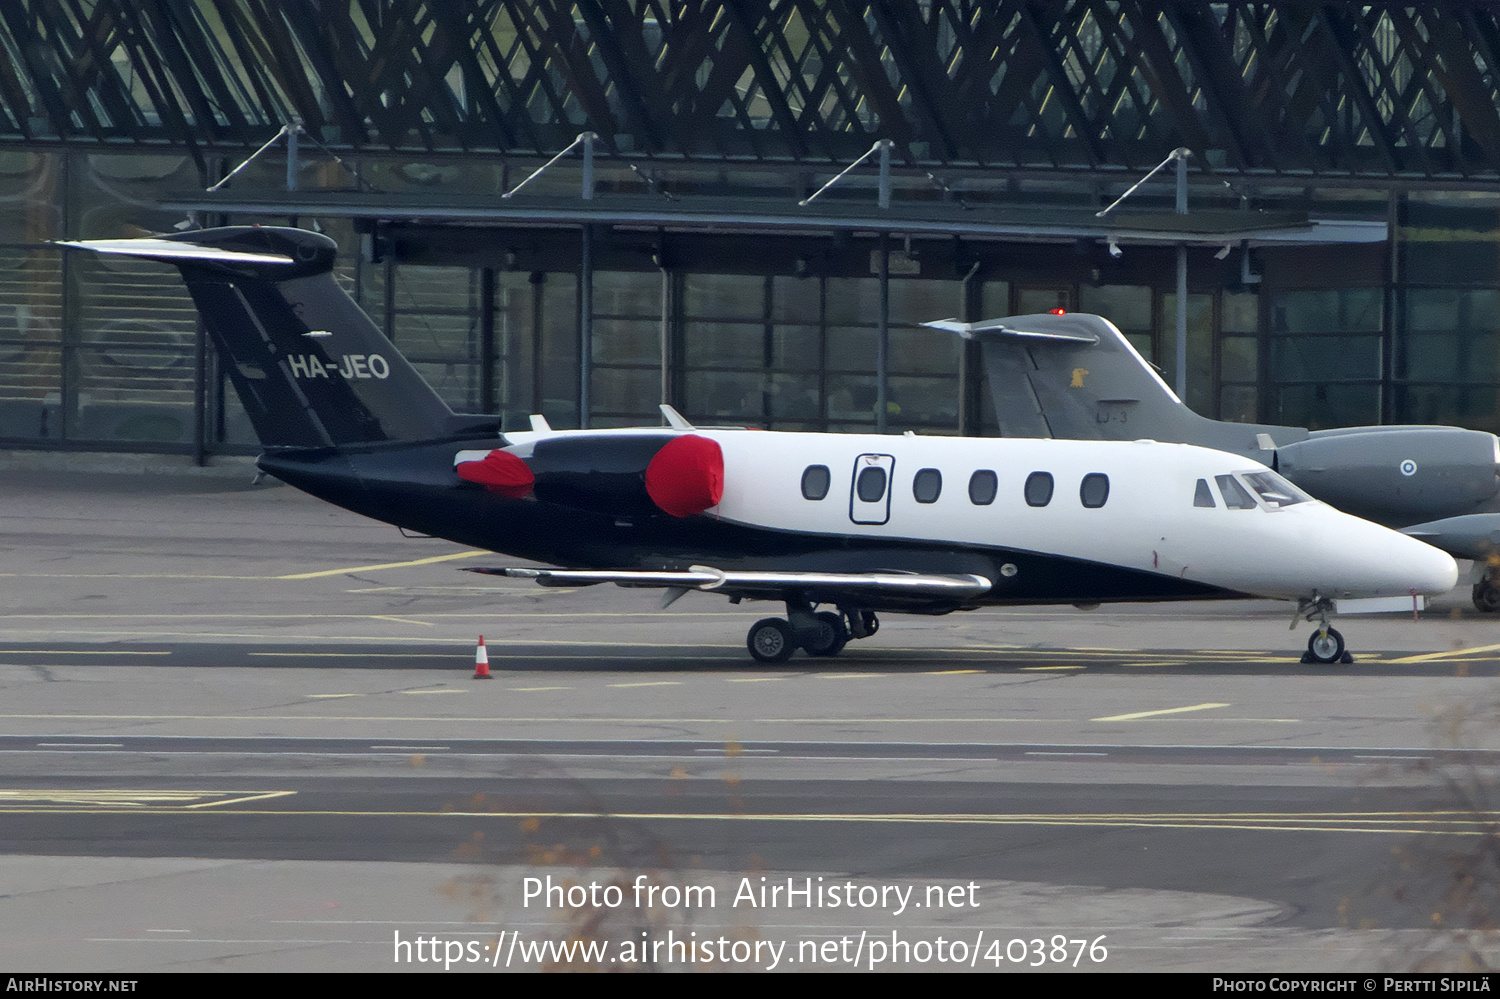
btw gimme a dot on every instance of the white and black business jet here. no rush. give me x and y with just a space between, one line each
857 524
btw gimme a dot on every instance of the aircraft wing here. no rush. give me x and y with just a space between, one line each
768 584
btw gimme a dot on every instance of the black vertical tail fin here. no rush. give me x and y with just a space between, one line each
310 367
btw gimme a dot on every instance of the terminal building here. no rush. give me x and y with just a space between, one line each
682 242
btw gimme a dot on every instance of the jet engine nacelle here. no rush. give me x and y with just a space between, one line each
622 475
1395 474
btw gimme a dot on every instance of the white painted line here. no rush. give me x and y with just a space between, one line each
1161 711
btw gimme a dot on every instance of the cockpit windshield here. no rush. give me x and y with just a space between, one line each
1273 490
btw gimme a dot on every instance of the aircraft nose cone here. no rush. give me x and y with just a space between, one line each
1425 569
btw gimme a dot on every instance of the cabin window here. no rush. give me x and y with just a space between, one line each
1235 496
1039 489
1204 496
927 485
870 485
815 482
983 485
1095 490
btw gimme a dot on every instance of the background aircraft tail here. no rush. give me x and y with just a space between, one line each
310 367
1075 376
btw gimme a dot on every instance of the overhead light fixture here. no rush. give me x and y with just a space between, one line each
1115 251
1223 252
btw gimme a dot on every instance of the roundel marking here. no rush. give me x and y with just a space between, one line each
1408 467
686 476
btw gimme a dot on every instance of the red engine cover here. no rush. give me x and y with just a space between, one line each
686 476
500 472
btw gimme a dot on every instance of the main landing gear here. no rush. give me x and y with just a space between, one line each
1486 591
825 633
1325 645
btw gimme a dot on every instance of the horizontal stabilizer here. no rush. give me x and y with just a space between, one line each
997 328
173 251
764 583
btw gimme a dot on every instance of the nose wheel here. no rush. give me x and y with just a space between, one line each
1325 645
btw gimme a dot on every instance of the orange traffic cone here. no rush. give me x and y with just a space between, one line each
481 662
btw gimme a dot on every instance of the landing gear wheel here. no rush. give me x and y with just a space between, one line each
1487 596
871 622
771 640
831 636
1326 647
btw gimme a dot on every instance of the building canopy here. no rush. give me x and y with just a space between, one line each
1375 90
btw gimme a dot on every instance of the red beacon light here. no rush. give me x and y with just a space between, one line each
1058 312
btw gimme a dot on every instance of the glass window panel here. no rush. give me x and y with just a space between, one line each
627 341
624 293
924 351
851 397
852 348
1144 344
1327 311
1203 496
127 301
797 300
1239 403
1432 309
1319 407
1433 356
1200 335
994 300
1475 406
625 391
112 192
1239 359
457 382
737 395
1128 306
559 360
914 301
727 345
236 430
1464 260
794 396
30 190
1241 311
1030 301
854 300
723 296
1452 335
914 402
796 348
30 390
514 343
134 392
31 288
1325 358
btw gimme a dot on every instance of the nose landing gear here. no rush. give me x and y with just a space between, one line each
1325 645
